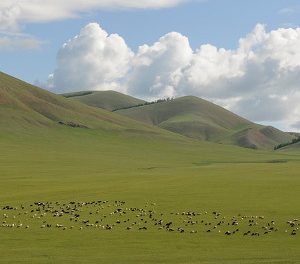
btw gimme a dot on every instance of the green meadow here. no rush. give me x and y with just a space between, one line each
63 164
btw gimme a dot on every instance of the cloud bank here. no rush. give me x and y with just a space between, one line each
14 12
18 42
259 80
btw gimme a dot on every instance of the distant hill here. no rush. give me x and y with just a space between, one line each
292 147
109 100
200 119
262 137
296 134
188 115
24 106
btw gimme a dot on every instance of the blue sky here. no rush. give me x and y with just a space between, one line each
219 22
257 78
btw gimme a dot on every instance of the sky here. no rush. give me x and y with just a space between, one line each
242 55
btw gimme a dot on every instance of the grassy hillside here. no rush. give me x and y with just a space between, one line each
259 137
200 119
112 175
109 100
23 106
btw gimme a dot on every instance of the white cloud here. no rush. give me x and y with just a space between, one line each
156 69
260 79
92 60
287 11
14 12
18 42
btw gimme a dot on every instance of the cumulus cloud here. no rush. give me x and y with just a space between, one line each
260 79
14 12
92 60
156 69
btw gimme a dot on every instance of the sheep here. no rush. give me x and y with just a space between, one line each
73 212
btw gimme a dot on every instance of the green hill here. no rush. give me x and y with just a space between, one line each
109 100
23 106
200 119
189 116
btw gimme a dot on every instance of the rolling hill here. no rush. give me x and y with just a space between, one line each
109 100
200 119
189 116
24 106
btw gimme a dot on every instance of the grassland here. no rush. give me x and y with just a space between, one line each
67 164
119 159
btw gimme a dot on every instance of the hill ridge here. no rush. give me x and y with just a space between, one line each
108 100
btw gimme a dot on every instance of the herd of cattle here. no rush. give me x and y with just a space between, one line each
116 216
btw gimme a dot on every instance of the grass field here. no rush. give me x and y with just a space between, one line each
64 164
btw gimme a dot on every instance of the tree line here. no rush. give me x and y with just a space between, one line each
282 145
146 103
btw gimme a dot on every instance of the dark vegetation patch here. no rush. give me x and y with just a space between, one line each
143 104
294 141
72 124
277 161
207 163
70 95
151 168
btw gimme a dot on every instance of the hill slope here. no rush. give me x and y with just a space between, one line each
290 146
24 106
293 147
263 137
200 119
109 100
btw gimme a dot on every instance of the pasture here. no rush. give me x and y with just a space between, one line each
208 182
